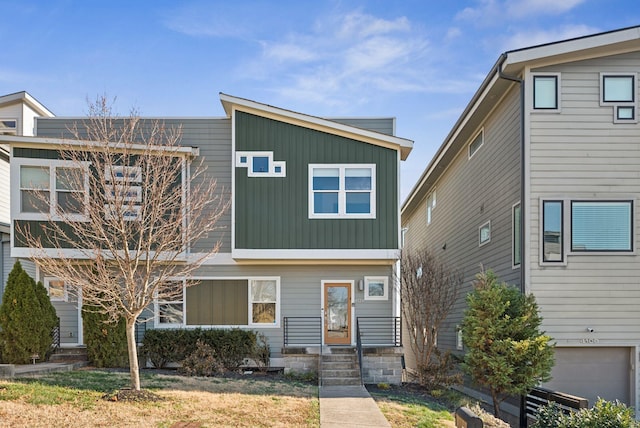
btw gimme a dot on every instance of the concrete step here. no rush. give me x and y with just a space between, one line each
340 373
69 354
335 381
336 358
337 365
341 350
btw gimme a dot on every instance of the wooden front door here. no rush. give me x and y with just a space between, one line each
337 313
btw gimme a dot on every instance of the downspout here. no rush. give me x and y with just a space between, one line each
520 81
502 75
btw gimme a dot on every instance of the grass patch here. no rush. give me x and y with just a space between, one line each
74 399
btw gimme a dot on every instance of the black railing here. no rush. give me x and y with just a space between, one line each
379 331
55 335
359 348
302 331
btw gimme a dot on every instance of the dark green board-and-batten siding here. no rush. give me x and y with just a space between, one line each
272 212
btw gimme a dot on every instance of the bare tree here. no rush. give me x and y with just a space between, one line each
129 203
429 290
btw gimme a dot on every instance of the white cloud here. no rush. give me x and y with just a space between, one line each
491 12
526 8
524 39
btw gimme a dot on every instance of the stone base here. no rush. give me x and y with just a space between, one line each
382 365
299 360
7 370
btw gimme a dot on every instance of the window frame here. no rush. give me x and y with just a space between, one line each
368 280
65 289
563 256
631 249
558 80
53 213
244 159
480 134
431 205
159 302
342 192
9 131
619 105
276 322
485 225
516 236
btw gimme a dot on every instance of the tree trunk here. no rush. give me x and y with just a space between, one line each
134 370
496 404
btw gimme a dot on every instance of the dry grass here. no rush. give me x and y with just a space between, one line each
192 402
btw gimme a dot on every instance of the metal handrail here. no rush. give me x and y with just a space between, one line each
302 331
359 348
380 331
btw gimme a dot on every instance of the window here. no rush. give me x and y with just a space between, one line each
601 226
52 189
170 309
431 204
485 233
517 230
552 233
56 289
121 173
376 288
260 164
618 90
477 142
342 191
459 343
8 126
545 92
264 300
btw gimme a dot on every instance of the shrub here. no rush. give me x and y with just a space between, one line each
49 317
231 346
604 414
202 361
440 372
25 321
106 340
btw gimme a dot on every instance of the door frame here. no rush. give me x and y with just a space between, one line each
352 321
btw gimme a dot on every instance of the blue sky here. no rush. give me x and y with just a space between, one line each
417 60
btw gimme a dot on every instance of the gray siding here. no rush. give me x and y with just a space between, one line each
580 153
300 291
469 193
384 125
211 136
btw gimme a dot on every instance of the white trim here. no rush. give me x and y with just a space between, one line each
431 205
65 291
342 191
157 303
385 287
127 193
52 165
480 133
278 303
352 326
85 254
615 105
248 163
10 131
316 254
485 225
122 173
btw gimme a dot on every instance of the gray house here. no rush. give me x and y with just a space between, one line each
538 181
314 221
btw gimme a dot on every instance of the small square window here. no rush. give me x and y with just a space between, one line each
625 113
260 164
545 92
243 159
376 288
56 289
485 233
277 169
618 89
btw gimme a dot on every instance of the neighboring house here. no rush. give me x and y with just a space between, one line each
314 225
558 153
17 117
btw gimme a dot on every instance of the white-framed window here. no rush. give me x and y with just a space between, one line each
121 173
170 310
8 126
53 189
601 226
263 301
459 342
546 91
476 143
376 288
431 204
484 233
261 164
129 212
56 289
342 191
516 228
125 193
552 231
619 91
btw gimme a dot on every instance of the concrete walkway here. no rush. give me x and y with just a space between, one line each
8 371
349 406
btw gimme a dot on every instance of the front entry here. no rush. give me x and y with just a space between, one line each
337 313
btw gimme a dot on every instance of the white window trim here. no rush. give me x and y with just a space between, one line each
156 308
482 226
52 164
616 104
130 174
272 164
47 284
370 279
251 302
342 193
129 212
134 196
431 205
10 131
184 324
558 77
475 136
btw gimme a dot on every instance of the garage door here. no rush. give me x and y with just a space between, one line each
593 373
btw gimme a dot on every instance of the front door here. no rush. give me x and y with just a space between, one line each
337 313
